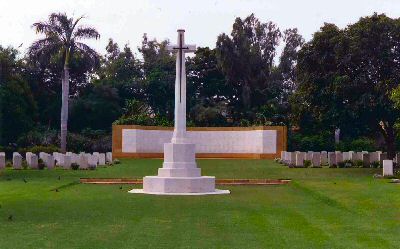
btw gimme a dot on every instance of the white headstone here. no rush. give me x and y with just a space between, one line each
2 160
32 160
366 160
387 167
49 161
316 159
300 156
346 156
17 160
332 158
324 158
309 155
109 158
65 161
339 157
83 161
102 159
292 159
92 161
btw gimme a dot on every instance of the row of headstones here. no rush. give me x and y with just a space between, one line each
84 160
332 158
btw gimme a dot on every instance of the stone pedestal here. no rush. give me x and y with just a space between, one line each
179 174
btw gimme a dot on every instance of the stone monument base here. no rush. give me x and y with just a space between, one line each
179 174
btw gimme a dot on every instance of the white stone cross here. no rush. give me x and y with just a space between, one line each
180 86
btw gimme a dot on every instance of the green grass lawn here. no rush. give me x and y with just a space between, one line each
320 208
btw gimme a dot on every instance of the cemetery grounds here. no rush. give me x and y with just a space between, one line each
319 208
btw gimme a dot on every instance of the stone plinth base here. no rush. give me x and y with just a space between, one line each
216 192
179 184
179 174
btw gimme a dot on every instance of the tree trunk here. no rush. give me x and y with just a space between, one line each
246 95
390 137
64 108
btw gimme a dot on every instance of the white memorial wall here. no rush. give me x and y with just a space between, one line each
262 141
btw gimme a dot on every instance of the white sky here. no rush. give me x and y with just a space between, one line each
126 20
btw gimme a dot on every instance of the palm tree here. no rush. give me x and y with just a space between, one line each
63 37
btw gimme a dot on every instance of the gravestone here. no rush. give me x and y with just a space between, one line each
339 157
374 157
292 161
92 160
332 158
300 156
179 174
102 159
397 158
366 160
359 156
83 161
65 161
316 159
2 160
382 156
17 160
346 156
387 168
109 158
353 156
49 161
32 160
96 157
309 155
324 158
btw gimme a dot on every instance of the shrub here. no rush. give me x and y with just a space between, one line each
47 149
376 164
307 163
359 144
92 167
341 165
24 164
9 164
358 164
348 163
41 164
74 166
116 161
317 142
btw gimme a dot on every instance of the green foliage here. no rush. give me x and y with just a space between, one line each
47 149
321 142
359 164
74 166
97 108
337 89
348 163
307 163
376 164
359 144
24 164
41 164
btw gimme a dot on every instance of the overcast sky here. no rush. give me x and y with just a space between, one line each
126 20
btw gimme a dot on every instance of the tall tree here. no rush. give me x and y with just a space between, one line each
246 59
63 37
347 77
